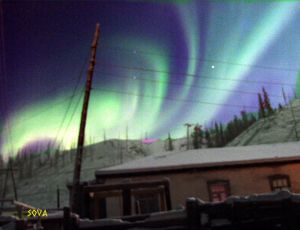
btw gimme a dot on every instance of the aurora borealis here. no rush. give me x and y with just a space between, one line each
159 65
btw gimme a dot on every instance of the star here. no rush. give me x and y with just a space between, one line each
212 66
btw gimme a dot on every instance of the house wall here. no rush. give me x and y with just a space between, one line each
243 181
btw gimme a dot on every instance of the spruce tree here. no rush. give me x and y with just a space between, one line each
196 137
261 112
267 103
252 119
229 132
170 143
48 151
236 126
63 158
30 166
222 137
21 167
56 158
208 139
245 121
40 160
217 135
1 162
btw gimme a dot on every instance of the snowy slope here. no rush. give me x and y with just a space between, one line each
274 129
39 190
210 157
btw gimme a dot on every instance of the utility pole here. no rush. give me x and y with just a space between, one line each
295 122
104 135
284 96
126 141
293 114
120 148
187 135
77 167
9 168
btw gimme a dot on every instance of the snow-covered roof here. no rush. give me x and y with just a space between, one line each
209 157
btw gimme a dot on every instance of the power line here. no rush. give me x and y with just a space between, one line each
72 97
202 59
3 67
180 84
74 93
71 118
174 99
196 75
43 111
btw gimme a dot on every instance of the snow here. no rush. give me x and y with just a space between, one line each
276 128
211 156
40 189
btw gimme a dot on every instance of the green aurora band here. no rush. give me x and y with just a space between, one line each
257 42
111 112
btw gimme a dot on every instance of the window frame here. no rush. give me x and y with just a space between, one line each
277 177
226 184
154 196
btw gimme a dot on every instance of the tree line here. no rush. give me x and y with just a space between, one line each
220 135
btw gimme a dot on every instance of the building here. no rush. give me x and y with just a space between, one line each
210 174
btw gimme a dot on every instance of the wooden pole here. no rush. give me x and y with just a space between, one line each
293 114
188 135
4 189
10 170
13 179
284 96
77 167
192 213
295 122
58 197
126 140
126 195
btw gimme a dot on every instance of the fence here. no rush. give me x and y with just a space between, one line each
280 211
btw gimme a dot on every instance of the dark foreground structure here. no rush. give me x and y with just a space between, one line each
161 182
280 210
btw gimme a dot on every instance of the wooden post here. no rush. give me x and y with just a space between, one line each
4 189
126 194
292 112
193 217
77 167
295 122
58 197
67 225
283 95
188 135
163 200
21 225
13 180
11 170
126 142
168 194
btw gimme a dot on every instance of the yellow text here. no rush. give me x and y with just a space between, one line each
36 212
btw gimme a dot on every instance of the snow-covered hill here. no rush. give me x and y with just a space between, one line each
274 129
40 189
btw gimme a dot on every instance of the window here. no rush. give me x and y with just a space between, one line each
279 182
147 203
218 190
